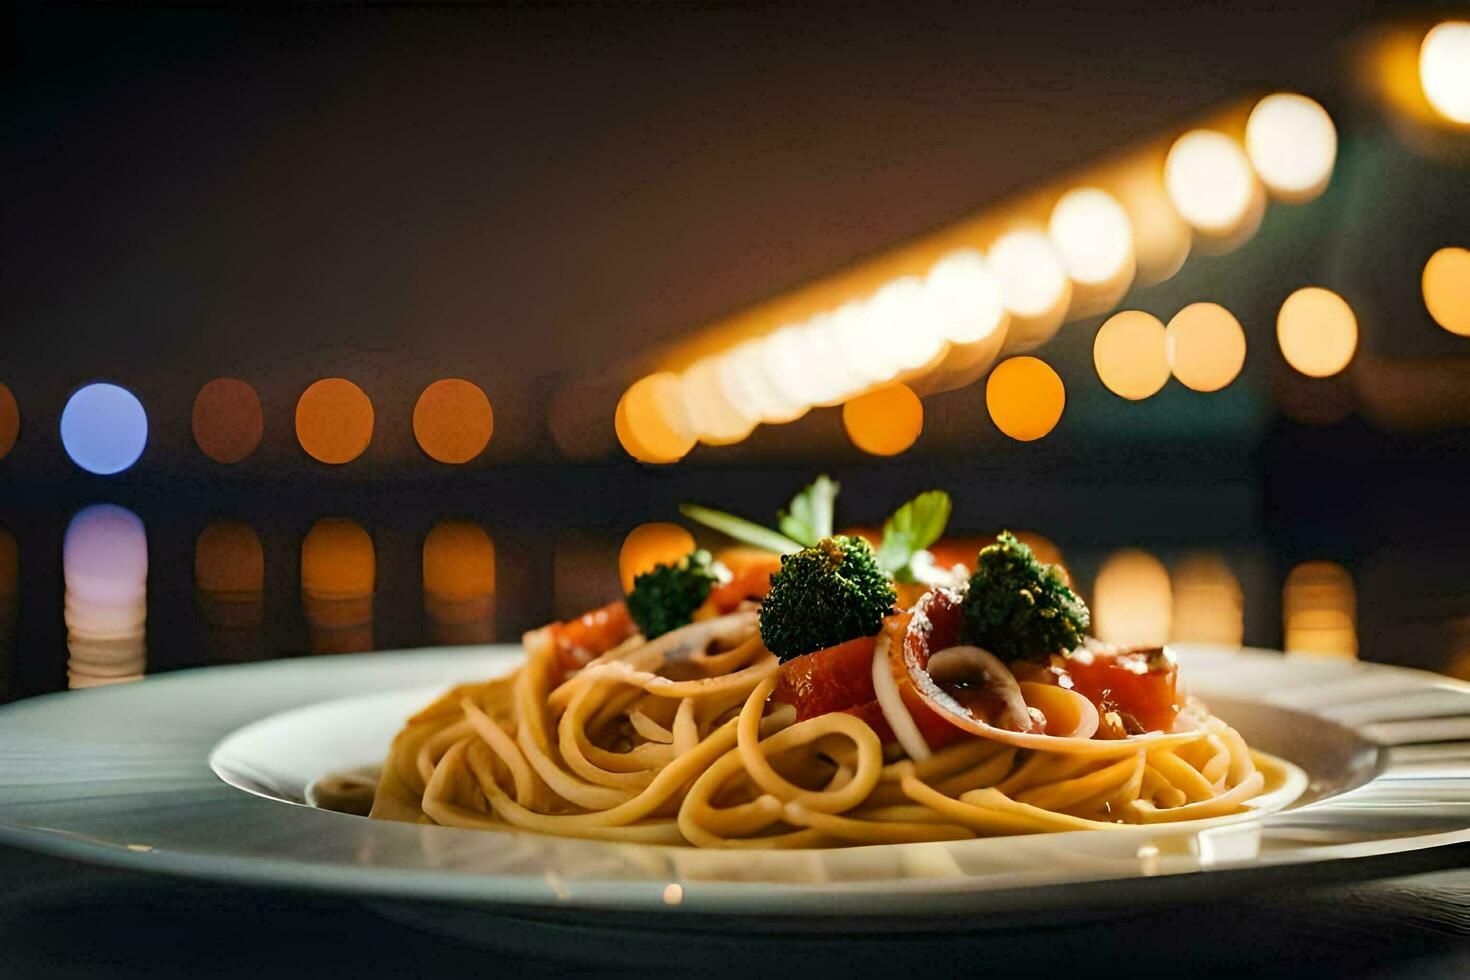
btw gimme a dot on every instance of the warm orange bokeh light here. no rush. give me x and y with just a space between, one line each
884 422
648 545
228 558
651 421
334 421
1446 285
459 583
1132 602
1025 398
1319 610
1317 331
1206 346
228 420
338 560
1209 606
459 560
1130 354
453 421
9 421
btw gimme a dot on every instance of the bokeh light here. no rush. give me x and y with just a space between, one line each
338 560
1131 355
1161 238
104 428
1210 182
1206 346
715 419
339 569
884 422
1034 284
1092 233
1319 609
459 583
1317 332
1292 144
228 421
648 545
651 420
104 564
334 421
1208 603
1132 602
9 421
229 560
453 421
1025 398
784 364
966 297
864 363
903 324
829 375
229 582
1446 286
1444 69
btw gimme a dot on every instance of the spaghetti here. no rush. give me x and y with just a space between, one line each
691 739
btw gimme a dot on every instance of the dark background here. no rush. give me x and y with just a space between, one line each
532 197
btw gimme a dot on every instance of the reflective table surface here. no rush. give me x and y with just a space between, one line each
1330 544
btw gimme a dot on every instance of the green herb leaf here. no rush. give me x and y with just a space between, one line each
808 518
912 528
740 529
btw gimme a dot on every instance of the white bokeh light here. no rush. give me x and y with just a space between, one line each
1444 69
743 380
1093 235
784 360
832 379
1210 181
1032 277
1035 286
716 420
1292 144
965 296
901 323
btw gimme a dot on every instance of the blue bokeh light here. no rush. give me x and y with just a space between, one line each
104 428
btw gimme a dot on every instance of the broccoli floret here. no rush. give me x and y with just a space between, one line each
824 595
1019 607
666 597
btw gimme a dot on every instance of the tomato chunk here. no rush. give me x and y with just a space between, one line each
751 570
872 713
829 680
581 640
1142 683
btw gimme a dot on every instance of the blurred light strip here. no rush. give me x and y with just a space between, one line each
938 312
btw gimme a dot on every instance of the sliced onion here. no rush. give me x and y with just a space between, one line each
942 704
967 663
1068 713
885 688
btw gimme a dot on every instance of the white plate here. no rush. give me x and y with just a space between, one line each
136 775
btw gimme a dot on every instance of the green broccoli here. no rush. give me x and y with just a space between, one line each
666 597
1020 608
824 595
